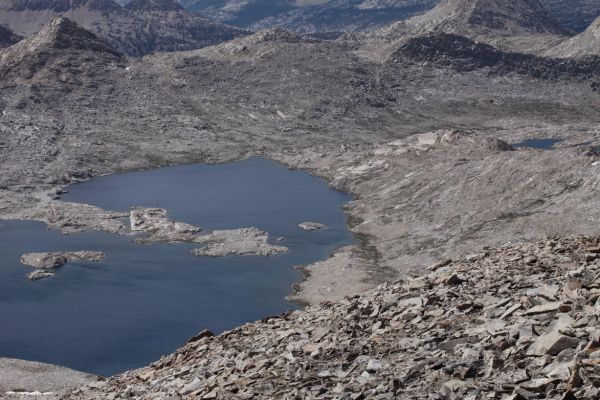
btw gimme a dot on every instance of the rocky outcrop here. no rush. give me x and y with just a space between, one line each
167 26
46 263
42 58
584 45
484 17
237 242
463 54
158 228
62 33
77 217
311 226
522 25
514 322
39 275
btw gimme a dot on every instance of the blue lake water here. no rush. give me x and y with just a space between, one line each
543 144
145 301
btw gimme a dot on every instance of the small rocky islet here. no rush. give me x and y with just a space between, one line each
47 263
153 223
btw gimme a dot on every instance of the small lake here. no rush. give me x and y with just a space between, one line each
144 301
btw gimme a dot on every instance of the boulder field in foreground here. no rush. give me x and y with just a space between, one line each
516 322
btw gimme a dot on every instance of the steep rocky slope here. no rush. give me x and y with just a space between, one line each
463 54
583 45
515 322
488 16
522 25
144 27
7 37
27 17
62 51
169 27
573 14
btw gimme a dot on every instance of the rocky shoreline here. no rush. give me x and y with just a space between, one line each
516 322
509 322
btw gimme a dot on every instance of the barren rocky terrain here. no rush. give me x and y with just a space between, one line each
420 121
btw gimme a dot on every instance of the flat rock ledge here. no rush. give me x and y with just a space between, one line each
346 271
516 322
21 379
46 263
75 217
312 226
158 228
237 242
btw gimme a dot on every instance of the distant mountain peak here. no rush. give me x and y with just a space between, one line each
513 17
585 44
62 33
59 5
154 5
61 53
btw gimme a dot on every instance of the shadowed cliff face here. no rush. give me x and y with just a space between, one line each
7 37
463 54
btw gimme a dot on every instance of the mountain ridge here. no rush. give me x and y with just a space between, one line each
61 51
482 17
154 5
313 17
146 26
583 45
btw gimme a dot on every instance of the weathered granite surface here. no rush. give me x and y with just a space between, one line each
237 242
47 263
